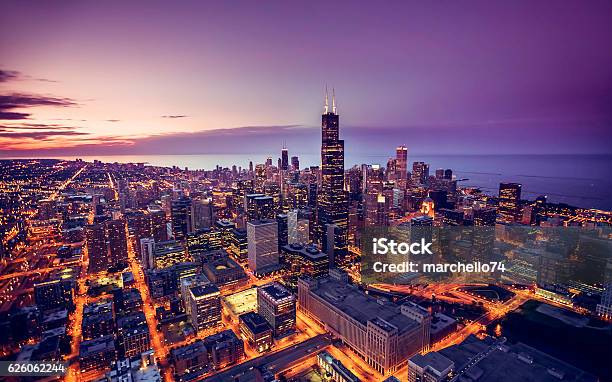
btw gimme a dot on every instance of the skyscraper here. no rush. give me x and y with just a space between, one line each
262 236
295 163
277 306
332 206
96 247
147 252
117 241
284 159
106 244
204 306
420 172
509 202
181 218
401 161
202 214
297 227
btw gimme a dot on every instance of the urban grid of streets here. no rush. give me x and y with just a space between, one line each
292 355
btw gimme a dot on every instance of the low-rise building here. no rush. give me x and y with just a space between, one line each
97 354
256 330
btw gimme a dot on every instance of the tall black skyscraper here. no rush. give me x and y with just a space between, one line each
332 205
284 159
509 210
181 218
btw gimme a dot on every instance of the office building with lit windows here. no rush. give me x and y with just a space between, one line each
181 218
420 172
298 227
169 253
332 203
277 306
305 260
256 330
509 210
401 162
204 306
262 236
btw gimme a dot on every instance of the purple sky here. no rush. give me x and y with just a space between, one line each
91 77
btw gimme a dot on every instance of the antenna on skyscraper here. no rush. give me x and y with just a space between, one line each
334 100
326 100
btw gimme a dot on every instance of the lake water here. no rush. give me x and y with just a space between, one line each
579 180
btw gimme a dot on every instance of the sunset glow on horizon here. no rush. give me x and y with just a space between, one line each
88 77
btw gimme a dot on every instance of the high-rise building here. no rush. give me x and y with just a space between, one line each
484 216
401 162
431 367
181 218
159 228
420 172
139 226
448 174
117 241
97 249
239 244
262 237
202 214
440 198
190 359
332 204
305 260
106 243
203 240
284 159
277 306
169 253
97 354
204 306
133 335
298 227
295 163
259 206
283 230
147 252
509 203
297 195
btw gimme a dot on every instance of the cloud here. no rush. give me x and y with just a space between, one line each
175 116
40 135
7 75
6 115
36 126
113 120
20 100
14 75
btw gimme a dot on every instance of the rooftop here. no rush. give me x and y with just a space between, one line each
275 291
509 363
435 361
96 346
204 291
362 307
255 322
242 302
307 251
